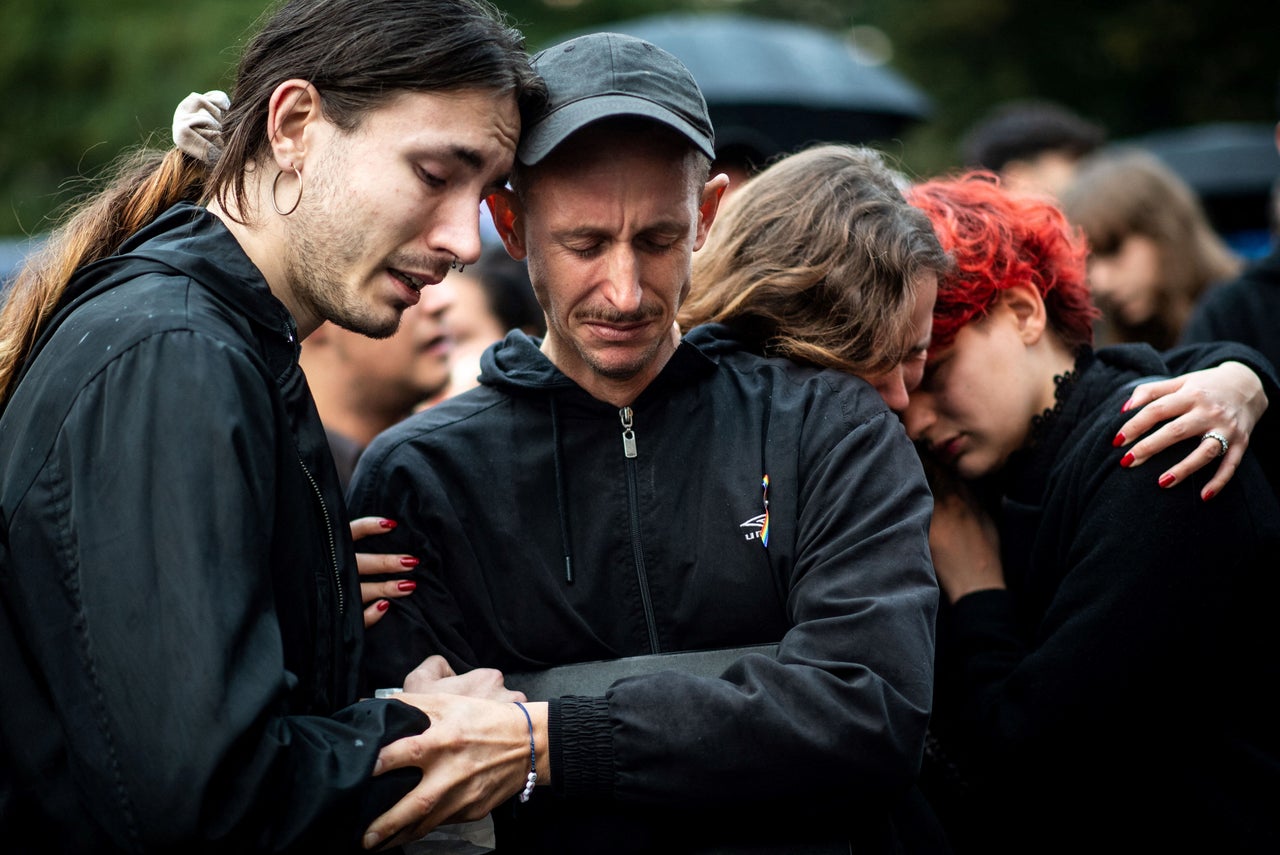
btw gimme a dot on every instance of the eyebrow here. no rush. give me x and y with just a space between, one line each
662 227
471 159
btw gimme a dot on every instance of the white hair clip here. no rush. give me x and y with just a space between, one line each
197 124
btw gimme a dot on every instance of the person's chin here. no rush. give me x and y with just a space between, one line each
377 322
971 466
620 363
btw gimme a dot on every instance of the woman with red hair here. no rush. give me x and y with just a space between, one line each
1105 679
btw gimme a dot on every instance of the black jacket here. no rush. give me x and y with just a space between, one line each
543 543
1246 309
181 613
1119 695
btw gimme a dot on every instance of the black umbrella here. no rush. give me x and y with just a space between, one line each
1220 159
1231 167
775 86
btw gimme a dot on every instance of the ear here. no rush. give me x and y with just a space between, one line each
294 108
1028 310
508 219
712 191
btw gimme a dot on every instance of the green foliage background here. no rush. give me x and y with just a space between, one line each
81 80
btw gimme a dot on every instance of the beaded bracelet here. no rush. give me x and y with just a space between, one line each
532 779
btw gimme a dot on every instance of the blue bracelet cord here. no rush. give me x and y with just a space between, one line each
532 779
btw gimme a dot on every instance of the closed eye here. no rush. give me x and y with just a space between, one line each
430 179
655 245
586 252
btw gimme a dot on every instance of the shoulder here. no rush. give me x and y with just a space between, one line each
459 424
1258 285
807 391
782 383
151 333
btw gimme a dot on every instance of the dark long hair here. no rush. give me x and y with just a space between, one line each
357 53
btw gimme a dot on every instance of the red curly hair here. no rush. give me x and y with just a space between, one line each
999 239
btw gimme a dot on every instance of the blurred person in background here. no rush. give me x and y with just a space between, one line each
488 299
1033 145
363 385
1247 308
1154 253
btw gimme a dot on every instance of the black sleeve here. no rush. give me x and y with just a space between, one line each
158 638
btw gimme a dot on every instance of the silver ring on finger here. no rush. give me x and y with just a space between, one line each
1222 441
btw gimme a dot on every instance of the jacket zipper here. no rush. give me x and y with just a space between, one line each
637 554
333 547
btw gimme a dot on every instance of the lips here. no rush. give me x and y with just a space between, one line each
410 285
617 332
947 449
619 328
409 279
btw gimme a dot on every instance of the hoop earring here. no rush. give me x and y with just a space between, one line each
276 183
457 266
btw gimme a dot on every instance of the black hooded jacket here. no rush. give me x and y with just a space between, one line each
180 609
544 541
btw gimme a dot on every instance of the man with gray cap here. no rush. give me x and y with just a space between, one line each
708 571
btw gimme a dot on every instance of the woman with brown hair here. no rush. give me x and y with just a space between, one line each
1154 252
820 260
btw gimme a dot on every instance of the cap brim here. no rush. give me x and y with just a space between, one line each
540 140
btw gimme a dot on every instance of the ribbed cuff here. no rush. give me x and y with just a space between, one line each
581 747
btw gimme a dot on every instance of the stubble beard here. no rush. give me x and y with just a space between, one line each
318 249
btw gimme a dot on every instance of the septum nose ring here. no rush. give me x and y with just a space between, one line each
457 265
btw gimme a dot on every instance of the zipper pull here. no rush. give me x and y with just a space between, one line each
628 435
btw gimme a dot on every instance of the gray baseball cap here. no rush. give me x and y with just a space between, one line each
601 75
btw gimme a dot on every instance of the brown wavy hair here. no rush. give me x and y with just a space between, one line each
1131 192
816 259
357 53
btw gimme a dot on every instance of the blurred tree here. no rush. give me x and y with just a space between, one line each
1132 65
83 79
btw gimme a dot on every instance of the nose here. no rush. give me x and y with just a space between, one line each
893 389
622 278
1100 276
455 230
917 416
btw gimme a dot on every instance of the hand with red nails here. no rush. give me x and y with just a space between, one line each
1227 400
377 596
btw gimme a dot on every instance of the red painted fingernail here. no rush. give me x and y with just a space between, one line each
387 523
406 585
383 605
1208 494
1166 480
1118 441
408 561
1127 460
1124 408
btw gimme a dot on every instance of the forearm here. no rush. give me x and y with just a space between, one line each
843 705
